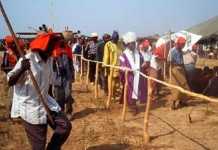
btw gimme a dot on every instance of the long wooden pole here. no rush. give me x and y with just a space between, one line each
81 66
75 71
165 63
110 88
87 77
125 96
170 68
35 84
96 80
147 111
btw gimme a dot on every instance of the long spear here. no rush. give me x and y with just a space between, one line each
35 84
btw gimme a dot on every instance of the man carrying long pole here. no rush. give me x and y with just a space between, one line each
31 78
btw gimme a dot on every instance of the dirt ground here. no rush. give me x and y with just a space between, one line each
95 128
202 62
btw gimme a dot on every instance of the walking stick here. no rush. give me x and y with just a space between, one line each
125 96
96 80
35 84
147 111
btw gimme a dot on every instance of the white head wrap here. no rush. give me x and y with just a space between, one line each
129 37
94 34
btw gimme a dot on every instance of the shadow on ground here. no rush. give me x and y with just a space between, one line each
109 147
85 112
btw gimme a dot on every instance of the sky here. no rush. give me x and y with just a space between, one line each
145 17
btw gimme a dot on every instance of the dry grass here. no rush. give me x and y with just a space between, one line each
96 128
12 135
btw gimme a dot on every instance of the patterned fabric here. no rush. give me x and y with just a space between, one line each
92 50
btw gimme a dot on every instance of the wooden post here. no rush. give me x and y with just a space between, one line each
165 64
109 88
87 76
170 67
96 80
147 111
125 96
81 65
81 69
75 71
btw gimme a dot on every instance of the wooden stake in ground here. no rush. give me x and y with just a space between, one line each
125 96
96 80
30 73
81 66
147 111
170 67
81 70
165 63
87 76
75 70
110 88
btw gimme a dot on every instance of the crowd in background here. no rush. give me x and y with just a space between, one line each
51 57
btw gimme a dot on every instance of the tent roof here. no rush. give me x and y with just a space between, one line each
206 29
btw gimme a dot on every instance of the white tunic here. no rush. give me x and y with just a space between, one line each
26 102
134 60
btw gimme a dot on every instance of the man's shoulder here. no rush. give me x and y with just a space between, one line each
173 49
108 43
30 55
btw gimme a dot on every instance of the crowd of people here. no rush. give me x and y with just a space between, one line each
50 56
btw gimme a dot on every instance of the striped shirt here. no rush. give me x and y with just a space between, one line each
92 50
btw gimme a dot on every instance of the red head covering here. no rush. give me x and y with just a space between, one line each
40 43
58 50
9 41
145 44
162 48
159 51
180 40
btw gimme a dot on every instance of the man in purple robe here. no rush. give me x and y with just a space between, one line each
137 85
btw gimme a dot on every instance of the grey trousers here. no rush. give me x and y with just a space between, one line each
37 134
